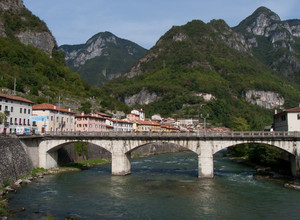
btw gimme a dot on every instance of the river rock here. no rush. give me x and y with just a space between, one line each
18 182
27 181
9 189
292 186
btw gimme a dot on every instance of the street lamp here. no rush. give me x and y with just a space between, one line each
204 118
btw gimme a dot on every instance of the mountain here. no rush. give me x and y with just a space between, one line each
102 58
17 21
29 57
276 43
213 68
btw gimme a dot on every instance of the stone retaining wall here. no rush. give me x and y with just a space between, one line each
14 161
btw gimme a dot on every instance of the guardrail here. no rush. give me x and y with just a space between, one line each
235 134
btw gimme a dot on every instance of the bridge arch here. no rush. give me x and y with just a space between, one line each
48 156
289 147
175 145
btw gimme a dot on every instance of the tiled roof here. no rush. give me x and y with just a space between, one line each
47 106
89 116
16 98
148 123
104 115
297 109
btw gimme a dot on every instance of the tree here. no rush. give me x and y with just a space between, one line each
86 107
80 149
240 124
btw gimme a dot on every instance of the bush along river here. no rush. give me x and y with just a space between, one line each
159 187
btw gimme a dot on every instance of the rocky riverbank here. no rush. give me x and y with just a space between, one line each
35 175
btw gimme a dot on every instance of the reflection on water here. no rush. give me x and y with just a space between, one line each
160 187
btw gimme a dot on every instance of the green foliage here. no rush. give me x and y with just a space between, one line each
86 107
203 63
35 171
239 124
80 149
35 71
6 182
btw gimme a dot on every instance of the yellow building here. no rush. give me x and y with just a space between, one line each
50 118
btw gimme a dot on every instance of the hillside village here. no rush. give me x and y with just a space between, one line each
20 116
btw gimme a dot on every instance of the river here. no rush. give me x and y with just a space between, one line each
159 187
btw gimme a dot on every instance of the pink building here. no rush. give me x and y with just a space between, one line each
90 123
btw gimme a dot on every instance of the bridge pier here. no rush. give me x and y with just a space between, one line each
120 164
48 160
205 167
295 164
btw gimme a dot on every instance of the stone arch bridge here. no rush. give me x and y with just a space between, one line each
43 149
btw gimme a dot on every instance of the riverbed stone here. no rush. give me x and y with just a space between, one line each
292 186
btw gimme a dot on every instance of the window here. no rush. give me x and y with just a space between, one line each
0 107
24 121
298 116
16 121
24 110
11 109
28 122
11 121
6 108
28 111
51 118
20 121
20 110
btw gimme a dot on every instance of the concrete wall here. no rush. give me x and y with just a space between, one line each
14 161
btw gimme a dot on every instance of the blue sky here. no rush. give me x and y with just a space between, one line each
143 22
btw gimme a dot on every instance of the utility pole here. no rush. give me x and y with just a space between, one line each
15 85
204 118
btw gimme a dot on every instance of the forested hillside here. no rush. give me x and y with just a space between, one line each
195 59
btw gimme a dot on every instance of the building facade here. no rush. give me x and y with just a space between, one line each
122 126
287 120
136 114
90 123
17 110
50 118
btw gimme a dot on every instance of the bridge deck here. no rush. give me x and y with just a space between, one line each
240 135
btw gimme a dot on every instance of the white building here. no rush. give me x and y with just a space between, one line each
18 111
122 126
50 118
288 120
140 113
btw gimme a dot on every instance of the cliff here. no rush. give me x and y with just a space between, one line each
273 41
17 21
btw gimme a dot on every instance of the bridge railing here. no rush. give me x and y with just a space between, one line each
233 134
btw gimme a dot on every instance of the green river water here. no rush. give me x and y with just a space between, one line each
159 187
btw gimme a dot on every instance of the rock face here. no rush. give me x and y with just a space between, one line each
265 99
37 34
144 97
103 57
41 40
14 5
274 42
